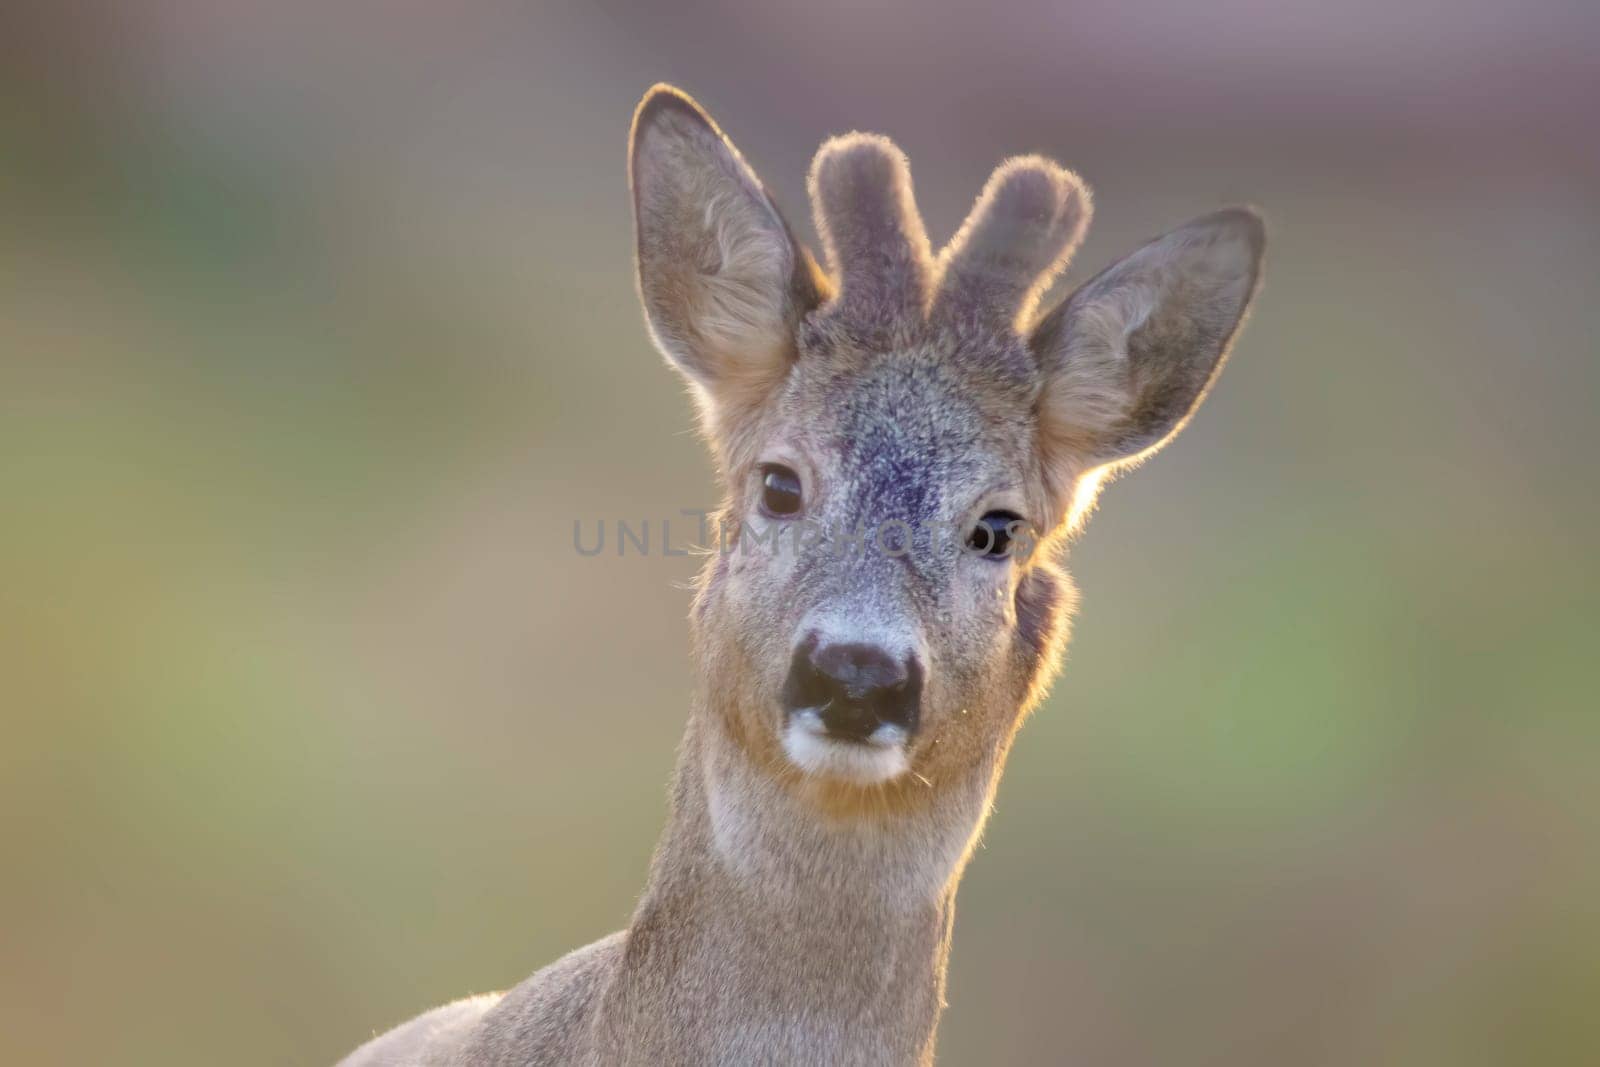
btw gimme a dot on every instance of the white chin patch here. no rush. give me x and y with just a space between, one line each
877 759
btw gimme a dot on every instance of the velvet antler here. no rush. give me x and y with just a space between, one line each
1020 233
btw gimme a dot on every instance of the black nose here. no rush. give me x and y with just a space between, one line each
854 688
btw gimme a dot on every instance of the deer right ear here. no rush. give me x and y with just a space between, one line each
1129 356
722 280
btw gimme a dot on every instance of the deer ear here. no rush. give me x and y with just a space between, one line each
722 281
1128 357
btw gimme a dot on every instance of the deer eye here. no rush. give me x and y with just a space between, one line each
780 490
991 537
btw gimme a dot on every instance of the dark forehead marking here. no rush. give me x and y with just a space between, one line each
903 431
912 430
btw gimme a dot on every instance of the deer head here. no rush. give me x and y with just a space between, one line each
904 439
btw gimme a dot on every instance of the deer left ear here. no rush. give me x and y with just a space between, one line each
1128 357
722 280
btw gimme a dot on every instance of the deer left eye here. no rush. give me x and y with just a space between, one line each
992 537
780 490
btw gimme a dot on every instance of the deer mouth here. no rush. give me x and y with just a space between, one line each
875 757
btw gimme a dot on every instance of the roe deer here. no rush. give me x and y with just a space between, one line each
855 708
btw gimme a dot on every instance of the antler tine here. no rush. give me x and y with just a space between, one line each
873 235
1023 229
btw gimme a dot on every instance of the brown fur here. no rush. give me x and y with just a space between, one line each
797 916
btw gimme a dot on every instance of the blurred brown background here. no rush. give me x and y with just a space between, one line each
317 332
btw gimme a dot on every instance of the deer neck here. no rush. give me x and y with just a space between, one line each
772 932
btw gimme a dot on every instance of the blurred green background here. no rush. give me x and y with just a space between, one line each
317 332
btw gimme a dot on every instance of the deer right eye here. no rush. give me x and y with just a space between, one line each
992 537
780 490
